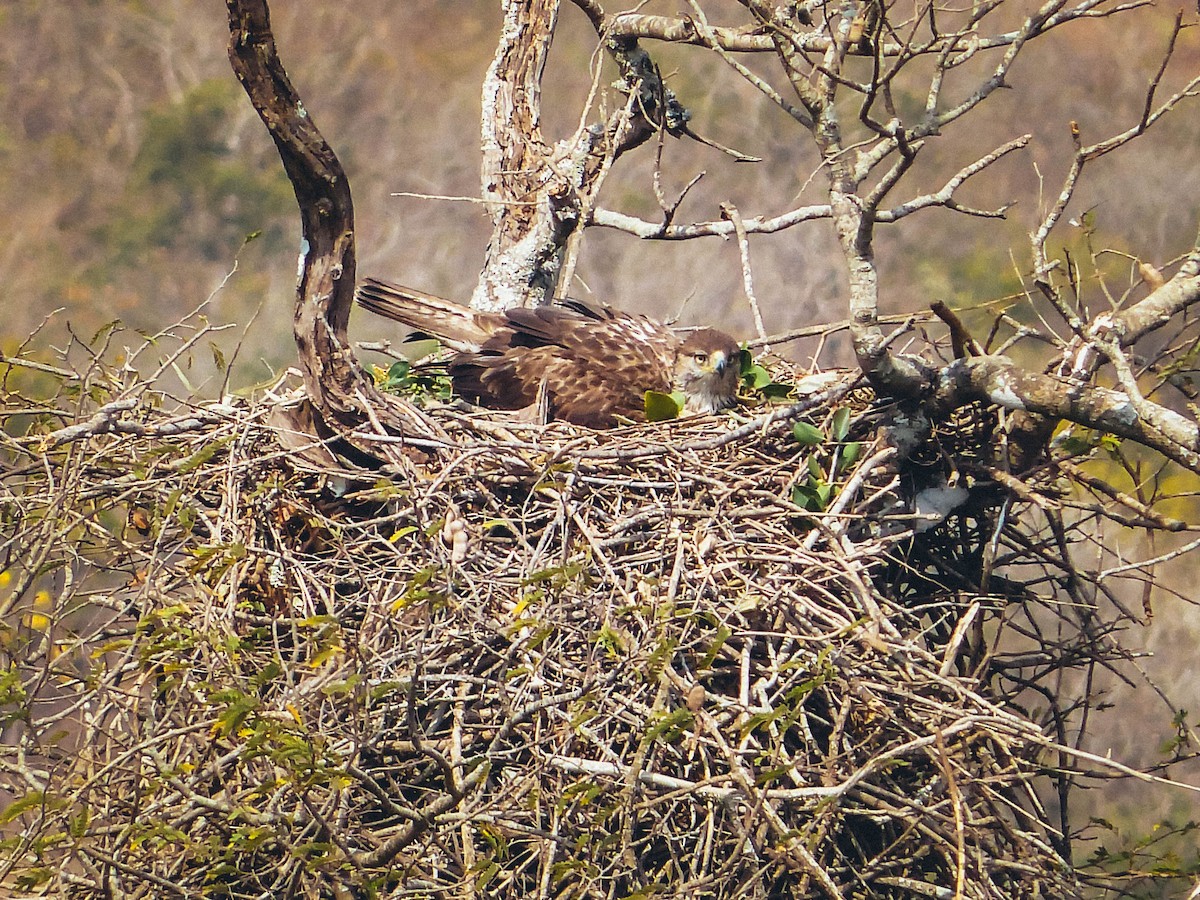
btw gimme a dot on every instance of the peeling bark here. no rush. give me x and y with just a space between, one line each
533 207
539 194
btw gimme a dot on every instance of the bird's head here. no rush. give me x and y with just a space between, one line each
707 369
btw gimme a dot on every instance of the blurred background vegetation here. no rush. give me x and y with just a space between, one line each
134 173
133 169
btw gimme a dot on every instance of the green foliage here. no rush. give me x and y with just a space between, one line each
610 640
832 457
807 435
722 634
422 587
189 188
13 697
660 407
574 571
1151 863
668 726
757 383
418 383
754 376
1175 746
660 656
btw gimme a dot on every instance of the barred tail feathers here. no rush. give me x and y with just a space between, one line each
456 326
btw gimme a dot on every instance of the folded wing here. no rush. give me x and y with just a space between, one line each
594 363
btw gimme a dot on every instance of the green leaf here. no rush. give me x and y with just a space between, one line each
610 640
804 497
841 424
669 726
813 496
762 779
396 378
760 720
31 801
807 435
558 576
659 657
723 634
104 330
203 455
583 793
777 390
404 531
489 871
745 361
1077 445
660 407
418 350
850 454
756 377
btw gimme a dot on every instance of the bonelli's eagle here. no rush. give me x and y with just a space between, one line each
595 362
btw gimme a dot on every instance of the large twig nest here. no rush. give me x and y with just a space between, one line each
707 657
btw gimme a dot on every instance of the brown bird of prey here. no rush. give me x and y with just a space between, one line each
595 362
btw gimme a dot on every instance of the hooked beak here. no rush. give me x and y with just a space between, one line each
719 362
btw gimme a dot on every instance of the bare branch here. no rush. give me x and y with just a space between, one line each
945 197
999 380
729 211
765 87
664 232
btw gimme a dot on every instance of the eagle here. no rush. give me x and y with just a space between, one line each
593 362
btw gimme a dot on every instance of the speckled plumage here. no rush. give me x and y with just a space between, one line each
596 362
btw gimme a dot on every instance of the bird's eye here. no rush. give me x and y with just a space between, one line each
700 357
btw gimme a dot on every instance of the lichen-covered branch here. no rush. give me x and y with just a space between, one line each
998 380
1174 297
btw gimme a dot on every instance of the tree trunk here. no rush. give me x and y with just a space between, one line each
533 207
325 288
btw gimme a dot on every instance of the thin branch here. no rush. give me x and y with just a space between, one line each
945 196
657 231
730 212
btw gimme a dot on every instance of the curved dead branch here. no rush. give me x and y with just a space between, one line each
325 291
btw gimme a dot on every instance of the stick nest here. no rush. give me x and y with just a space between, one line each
700 658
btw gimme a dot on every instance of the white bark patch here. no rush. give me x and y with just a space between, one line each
304 248
1003 393
934 504
1125 414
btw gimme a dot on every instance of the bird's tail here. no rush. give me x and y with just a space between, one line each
456 326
